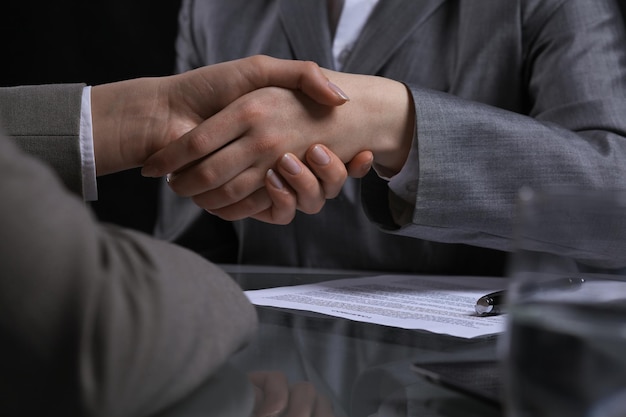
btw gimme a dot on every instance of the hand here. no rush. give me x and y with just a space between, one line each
225 158
293 186
135 118
275 397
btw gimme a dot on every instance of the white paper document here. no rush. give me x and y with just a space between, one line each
439 304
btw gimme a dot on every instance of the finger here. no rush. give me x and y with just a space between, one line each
284 203
329 169
209 136
360 165
323 407
302 75
275 203
274 392
259 401
201 181
250 206
307 187
302 398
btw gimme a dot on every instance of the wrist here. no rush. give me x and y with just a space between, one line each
380 118
396 128
124 114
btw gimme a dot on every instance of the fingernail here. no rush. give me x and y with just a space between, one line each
290 164
149 171
338 91
274 180
319 155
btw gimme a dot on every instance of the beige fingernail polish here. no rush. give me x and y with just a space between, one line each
338 91
274 180
319 155
290 164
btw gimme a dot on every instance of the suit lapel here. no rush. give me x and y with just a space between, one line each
306 25
392 22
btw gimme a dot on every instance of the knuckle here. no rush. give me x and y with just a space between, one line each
266 145
230 192
252 110
259 60
311 66
198 144
207 178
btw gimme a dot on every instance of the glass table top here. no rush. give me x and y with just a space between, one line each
329 366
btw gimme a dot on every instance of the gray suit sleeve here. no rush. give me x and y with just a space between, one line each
473 157
96 319
45 122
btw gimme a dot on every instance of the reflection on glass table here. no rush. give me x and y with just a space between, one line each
362 369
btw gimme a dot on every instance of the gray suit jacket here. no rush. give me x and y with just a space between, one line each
507 94
96 320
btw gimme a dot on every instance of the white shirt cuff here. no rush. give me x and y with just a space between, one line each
87 157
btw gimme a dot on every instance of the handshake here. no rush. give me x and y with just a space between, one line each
244 138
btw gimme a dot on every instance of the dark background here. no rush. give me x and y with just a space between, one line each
94 42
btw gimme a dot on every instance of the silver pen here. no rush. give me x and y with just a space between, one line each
493 304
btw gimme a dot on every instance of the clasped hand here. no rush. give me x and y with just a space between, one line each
135 119
236 163
257 137
256 149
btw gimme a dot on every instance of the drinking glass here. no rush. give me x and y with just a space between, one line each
565 343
